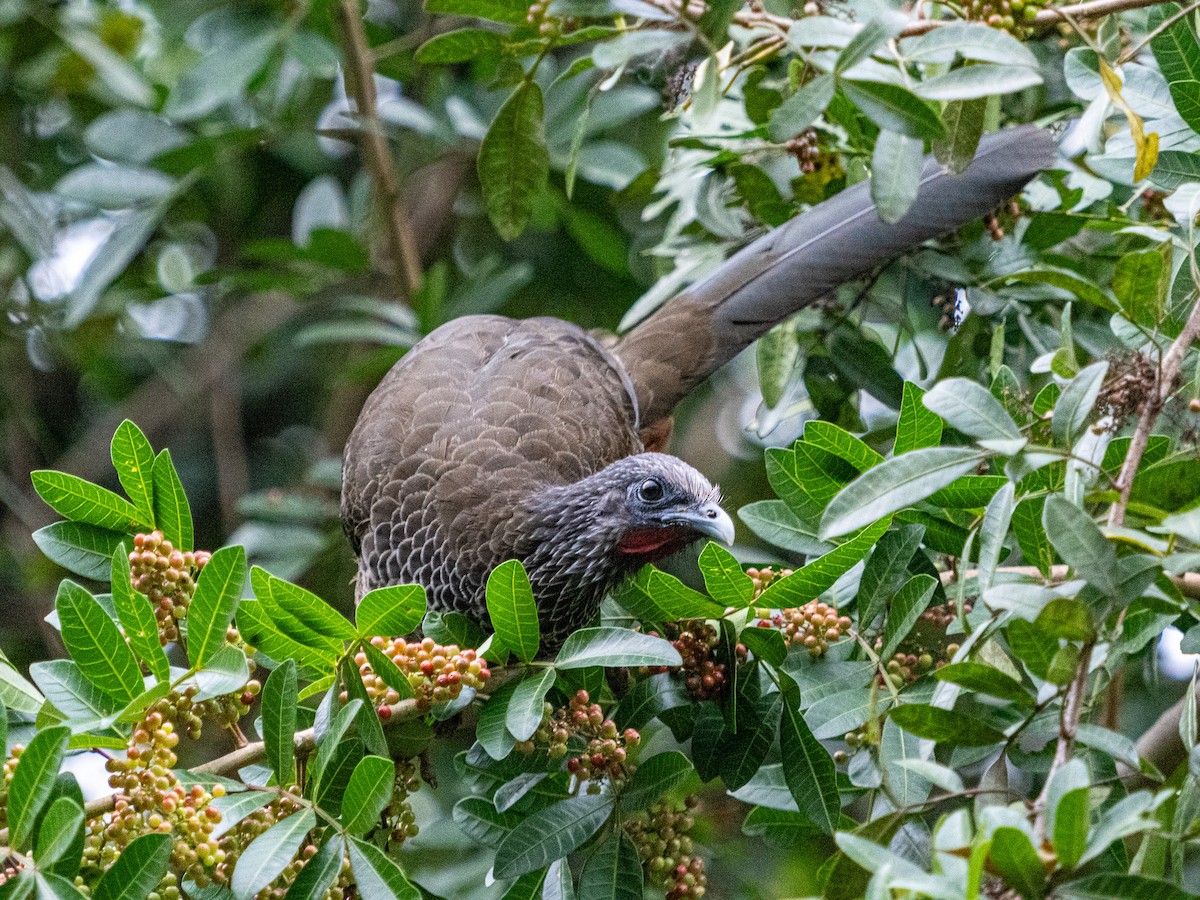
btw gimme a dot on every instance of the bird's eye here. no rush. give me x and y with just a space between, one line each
650 490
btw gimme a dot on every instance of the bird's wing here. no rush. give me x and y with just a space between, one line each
478 414
808 257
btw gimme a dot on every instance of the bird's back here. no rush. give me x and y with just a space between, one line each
479 414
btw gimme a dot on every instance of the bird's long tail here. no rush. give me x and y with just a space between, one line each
808 257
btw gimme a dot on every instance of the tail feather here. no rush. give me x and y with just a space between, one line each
806 259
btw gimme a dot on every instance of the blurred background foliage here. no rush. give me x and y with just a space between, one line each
188 239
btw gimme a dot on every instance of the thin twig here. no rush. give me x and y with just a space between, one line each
1167 379
359 75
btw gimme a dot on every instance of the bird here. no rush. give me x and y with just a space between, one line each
494 439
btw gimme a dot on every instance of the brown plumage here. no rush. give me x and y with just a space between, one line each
495 439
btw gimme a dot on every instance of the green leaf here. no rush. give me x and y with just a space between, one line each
986 680
279 721
1107 885
138 870
1071 827
819 575
963 121
136 616
528 886
513 612
1140 283
313 612
868 39
367 794
225 671
1014 859
460 45
893 108
376 875
654 778
83 549
1175 168
766 644
171 510
944 725
283 617
978 81
319 872
1081 544
390 611
551 834
613 872
94 642
1033 645
841 443
895 174
260 631
16 693
650 697
910 601
513 160
480 821
1068 281
81 501
723 577
778 352
218 590
509 12
802 109
370 731
133 458
776 524
270 853
1178 55
918 427
1031 536
896 483
59 843
655 596
971 408
1075 404
992 533
82 703
526 706
970 40
33 782
608 646
807 768
886 570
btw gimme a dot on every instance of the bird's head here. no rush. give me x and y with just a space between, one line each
658 504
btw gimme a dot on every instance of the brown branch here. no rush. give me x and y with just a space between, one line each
359 74
1160 744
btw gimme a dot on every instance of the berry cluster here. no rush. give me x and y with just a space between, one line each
236 840
10 766
1014 16
855 740
763 578
167 577
400 818
605 752
662 837
153 800
704 676
1131 380
435 673
812 626
947 305
1006 216
806 147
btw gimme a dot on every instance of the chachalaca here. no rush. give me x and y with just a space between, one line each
495 439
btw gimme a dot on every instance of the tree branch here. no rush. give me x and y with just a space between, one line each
359 74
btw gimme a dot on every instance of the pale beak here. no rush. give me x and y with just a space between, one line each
707 518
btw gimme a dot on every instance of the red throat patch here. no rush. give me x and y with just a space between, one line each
649 541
